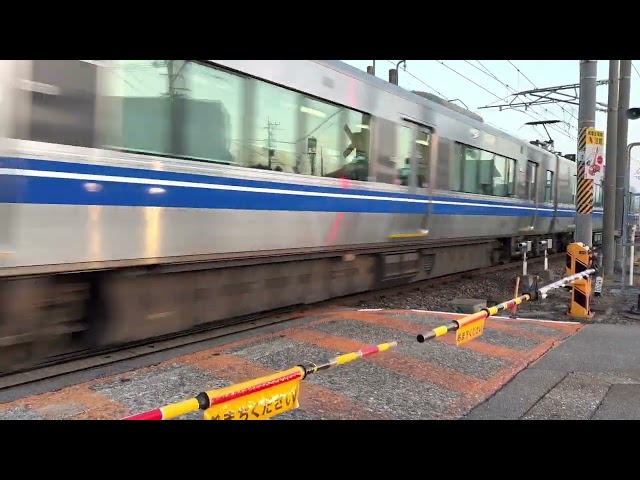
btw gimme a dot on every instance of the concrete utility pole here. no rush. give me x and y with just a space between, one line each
608 236
622 164
586 120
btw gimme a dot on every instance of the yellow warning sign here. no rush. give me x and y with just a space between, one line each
258 405
469 331
595 137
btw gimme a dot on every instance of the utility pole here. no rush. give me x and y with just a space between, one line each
622 162
608 235
586 120
271 126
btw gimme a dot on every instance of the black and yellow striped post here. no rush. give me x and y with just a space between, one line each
586 141
584 190
580 259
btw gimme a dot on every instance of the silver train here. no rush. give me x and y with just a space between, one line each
140 198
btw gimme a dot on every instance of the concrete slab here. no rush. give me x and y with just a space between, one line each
516 398
576 397
597 348
621 403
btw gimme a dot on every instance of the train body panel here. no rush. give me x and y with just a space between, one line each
75 213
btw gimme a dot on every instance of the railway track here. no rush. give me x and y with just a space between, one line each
87 360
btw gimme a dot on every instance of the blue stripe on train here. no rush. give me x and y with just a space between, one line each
44 190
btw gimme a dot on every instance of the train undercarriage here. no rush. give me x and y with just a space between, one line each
50 314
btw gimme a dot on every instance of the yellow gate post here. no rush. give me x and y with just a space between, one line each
579 259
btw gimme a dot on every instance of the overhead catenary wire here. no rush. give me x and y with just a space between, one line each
420 80
489 73
499 98
545 109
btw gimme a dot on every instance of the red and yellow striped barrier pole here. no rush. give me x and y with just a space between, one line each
256 399
471 326
211 398
347 357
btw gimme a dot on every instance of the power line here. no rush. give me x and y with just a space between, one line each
521 73
491 93
421 81
489 73
535 86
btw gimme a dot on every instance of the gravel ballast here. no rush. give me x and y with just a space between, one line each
500 286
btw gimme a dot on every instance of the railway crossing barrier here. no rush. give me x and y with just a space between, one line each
272 395
472 326
257 399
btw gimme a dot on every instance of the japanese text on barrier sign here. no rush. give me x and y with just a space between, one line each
469 332
258 406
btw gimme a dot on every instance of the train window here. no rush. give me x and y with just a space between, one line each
277 141
486 173
456 168
138 95
193 110
63 102
531 178
209 113
346 151
308 136
478 171
470 170
597 195
175 107
404 151
548 187
483 172
423 157
504 176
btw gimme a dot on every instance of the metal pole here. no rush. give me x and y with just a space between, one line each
546 260
587 119
608 236
632 235
627 200
622 167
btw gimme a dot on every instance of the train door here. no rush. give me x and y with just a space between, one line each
422 167
531 195
551 192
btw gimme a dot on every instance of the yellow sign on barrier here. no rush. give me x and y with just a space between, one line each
260 405
469 331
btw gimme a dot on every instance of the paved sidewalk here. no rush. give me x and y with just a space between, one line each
593 375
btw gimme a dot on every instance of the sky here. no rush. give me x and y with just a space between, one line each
491 82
